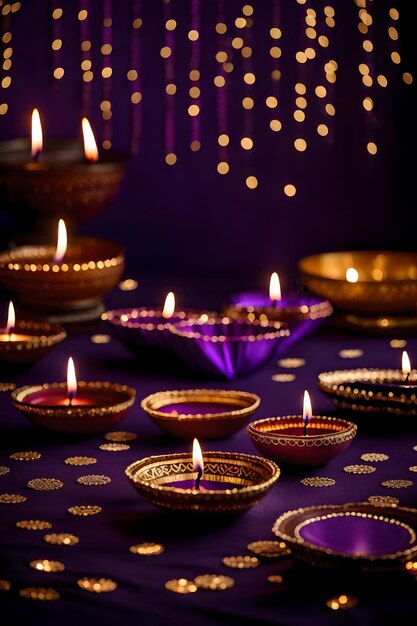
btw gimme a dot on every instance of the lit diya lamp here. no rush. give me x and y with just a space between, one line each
38 178
216 482
83 408
65 282
391 391
302 440
23 342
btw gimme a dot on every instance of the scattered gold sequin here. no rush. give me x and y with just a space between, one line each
34 524
97 585
275 578
214 582
383 500
413 468
80 460
85 509
120 436
100 338
283 378
5 585
181 585
147 549
398 343
27 455
241 562
374 457
61 539
397 484
291 363
359 469
44 565
351 353
114 447
342 602
7 386
4 470
45 484
269 549
39 593
11 498
92 480
318 481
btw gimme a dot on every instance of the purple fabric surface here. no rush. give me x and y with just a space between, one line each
193 546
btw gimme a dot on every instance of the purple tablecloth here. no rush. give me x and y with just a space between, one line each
192 546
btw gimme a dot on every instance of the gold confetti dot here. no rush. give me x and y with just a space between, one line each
44 565
85 510
114 447
383 500
398 343
147 549
351 353
241 562
80 460
318 481
100 338
93 480
4 470
97 585
291 363
269 549
33 524
359 469
11 498
283 378
397 484
45 484
181 585
27 455
374 457
120 436
129 284
39 593
214 582
61 539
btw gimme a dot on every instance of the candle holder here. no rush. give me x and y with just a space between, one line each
371 390
61 184
225 347
201 413
232 482
32 341
282 438
382 295
356 536
68 291
97 407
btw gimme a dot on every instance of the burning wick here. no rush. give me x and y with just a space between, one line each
198 463
71 381
11 319
274 289
169 306
307 412
37 139
61 246
406 365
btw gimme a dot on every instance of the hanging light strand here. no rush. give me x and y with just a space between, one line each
167 53
244 24
7 9
326 91
57 43
134 75
106 73
275 34
86 56
194 109
366 72
220 82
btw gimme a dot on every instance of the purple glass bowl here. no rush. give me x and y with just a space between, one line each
225 347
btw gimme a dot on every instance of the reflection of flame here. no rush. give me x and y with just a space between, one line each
61 246
90 146
307 410
37 142
198 463
274 287
352 275
169 306
406 364
71 380
11 318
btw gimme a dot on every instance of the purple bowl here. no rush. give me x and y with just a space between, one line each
225 347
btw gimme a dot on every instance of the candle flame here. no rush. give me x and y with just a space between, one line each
11 319
275 287
406 364
61 246
37 139
352 275
307 410
71 379
169 306
198 463
90 146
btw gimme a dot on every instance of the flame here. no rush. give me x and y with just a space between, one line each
274 287
90 146
406 364
11 319
352 275
37 141
71 379
198 463
169 306
61 246
307 410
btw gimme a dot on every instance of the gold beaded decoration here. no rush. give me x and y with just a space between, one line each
214 582
342 602
114 447
397 484
359 469
291 363
181 585
93 480
147 549
33 524
97 585
269 549
4 470
374 457
80 460
61 539
275 578
413 468
5 585
11 498
26 455
39 593
350 353
85 509
318 481
45 565
120 436
383 500
45 484
241 562
7 386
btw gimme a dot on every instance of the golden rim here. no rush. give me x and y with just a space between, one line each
130 318
339 431
19 395
276 330
44 336
248 403
311 312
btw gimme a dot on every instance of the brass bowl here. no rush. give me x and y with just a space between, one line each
42 337
387 281
201 413
90 269
247 480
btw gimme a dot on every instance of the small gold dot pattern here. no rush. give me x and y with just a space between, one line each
5 585
120 436
97 585
318 481
275 578
397 484
43 594
4 470
34 524
359 469
374 457
93 480
291 363
11 498
241 562
61 539
45 484
214 582
147 549
283 378
80 460
269 549
84 510
342 602
45 565
181 585
114 447
383 500
26 455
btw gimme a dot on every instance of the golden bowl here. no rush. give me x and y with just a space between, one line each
387 281
41 338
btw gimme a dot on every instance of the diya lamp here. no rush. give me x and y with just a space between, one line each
392 391
302 440
65 282
78 408
39 178
371 291
23 342
201 413
216 482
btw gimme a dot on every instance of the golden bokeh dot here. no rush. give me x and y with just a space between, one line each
107 115
311 33
371 147
367 80
247 9
194 75
132 75
329 11
382 80
301 1
330 109
136 97
137 23
105 105
395 58
194 92
228 67
275 75
6 82
367 45
195 145
193 35
223 167
86 65
8 52
300 88
368 103
323 41
275 33
362 28
330 22
311 20
290 190
301 57
275 125
331 78
223 140
165 52
246 143
363 69
329 68
271 102
88 77
106 144
221 28
299 115
106 48
311 12
301 102
407 78
82 15
193 110
300 144
237 43
394 15
221 56
57 44
107 22
171 89
275 52
248 103
246 52
57 13
170 24
171 158
322 130
251 182
106 72
7 37
365 17
7 64
320 91
85 46
393 33
219 81
249 78
240 22
3 108
58 72
310 53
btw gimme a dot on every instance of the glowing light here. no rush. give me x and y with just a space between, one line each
271 102
198 462
252 182
299 115
300 88
58 72
248 103
71 380
193 35
246 143
275 33
37 139
11 319
274 288
368 104
290 190
169 306
223 140
223 167
171 158
372 147
322 130
407 78
275 125
352 275
249 78
300 144
193 110
307 410
406 365
61 246
90 146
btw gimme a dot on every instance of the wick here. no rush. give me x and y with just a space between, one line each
35 157
305 428
407 376
70 397
197 480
